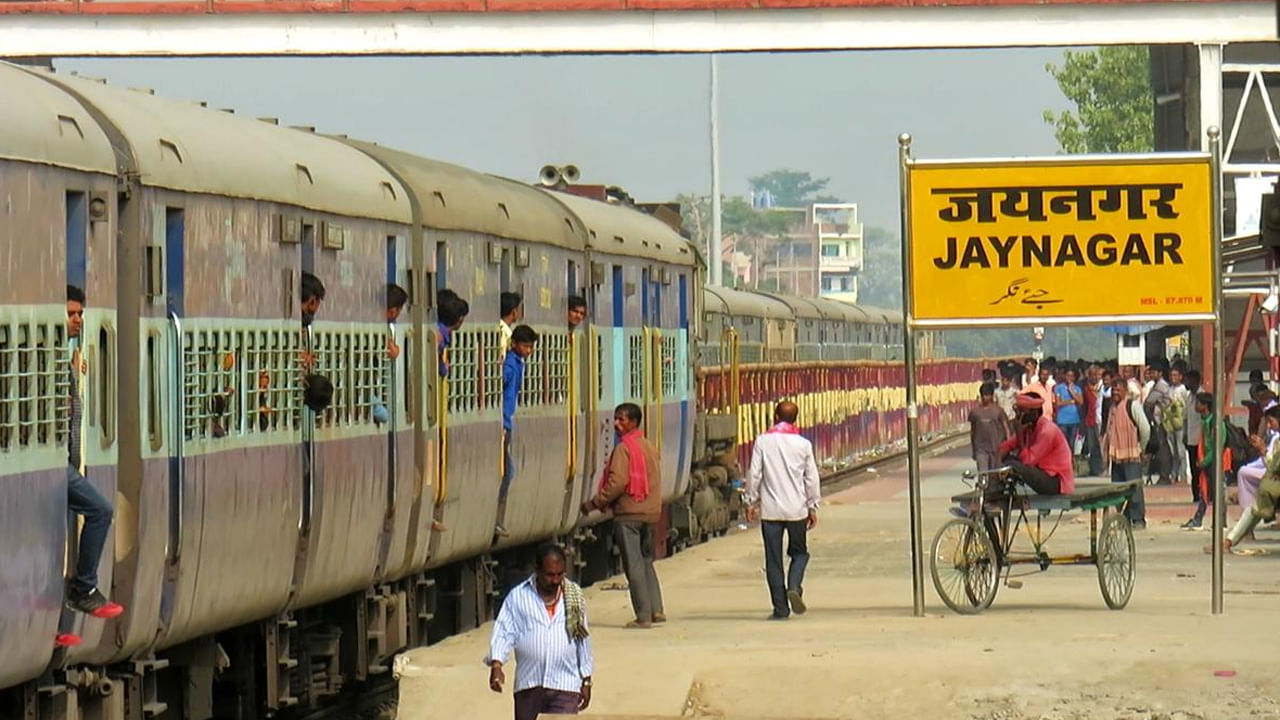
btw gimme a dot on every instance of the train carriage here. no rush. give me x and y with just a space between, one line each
57 177
640 301
487 235
223 462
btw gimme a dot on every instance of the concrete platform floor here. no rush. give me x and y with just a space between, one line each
1050 650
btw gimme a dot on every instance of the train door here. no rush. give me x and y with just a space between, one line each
90 357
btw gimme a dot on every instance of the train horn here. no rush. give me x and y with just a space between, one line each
550 176
570 173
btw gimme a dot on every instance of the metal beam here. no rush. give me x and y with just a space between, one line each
458 33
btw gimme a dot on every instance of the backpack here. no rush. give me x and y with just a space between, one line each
1173 417
1242 452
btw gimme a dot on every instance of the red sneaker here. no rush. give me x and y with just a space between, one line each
67 640
108 611
93 603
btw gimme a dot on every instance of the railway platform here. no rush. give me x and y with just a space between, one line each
1048 650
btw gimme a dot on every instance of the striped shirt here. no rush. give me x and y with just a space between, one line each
545 656
76 409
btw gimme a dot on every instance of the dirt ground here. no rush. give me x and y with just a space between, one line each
1050 650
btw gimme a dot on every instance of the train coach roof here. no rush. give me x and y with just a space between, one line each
455 198
842 312
888 316
43 124
800 307
737 302
626 231
183 146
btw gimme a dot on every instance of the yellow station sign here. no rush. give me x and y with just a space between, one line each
1070 238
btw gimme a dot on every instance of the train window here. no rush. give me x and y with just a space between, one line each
533 389
494 355
464 351
107 384
554 347
668 369
34 385
372 376
8 385
635 365
154 420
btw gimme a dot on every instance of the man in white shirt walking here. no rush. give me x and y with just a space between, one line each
782 490
544 619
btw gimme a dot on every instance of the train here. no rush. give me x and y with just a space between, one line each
274 560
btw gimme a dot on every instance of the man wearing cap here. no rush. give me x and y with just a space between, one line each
1038 452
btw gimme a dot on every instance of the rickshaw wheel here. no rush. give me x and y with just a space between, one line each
965 569
1116 560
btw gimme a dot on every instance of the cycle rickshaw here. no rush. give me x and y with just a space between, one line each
970 553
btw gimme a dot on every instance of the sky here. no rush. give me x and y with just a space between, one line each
642 121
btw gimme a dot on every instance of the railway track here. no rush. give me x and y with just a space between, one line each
378 699
852 475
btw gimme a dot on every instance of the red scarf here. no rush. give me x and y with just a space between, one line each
638 475
785 428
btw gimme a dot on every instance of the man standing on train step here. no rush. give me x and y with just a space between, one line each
632 486
83 499
782 490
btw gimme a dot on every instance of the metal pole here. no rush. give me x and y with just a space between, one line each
1210 62
1220 384
909 360
714 250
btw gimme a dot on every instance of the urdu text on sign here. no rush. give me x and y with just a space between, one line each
1064 238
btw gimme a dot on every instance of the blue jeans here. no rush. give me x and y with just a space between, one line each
1126 472
797 549
1093 448
83 499
1070 429
508 467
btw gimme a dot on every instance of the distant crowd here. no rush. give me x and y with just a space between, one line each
1152 422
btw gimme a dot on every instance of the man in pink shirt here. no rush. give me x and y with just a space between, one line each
1038 452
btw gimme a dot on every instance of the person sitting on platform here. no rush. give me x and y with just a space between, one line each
1267 497
1038 453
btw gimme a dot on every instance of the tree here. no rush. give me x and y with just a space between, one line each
880 282
789 188
1111 89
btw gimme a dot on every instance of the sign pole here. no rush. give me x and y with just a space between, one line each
1219 367
909 360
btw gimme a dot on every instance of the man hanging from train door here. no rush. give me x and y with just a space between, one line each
83 499
523 340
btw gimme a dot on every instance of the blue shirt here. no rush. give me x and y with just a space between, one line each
1067 414
545 656
512 379
446 339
